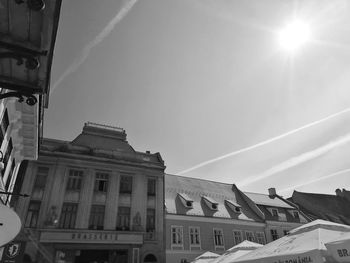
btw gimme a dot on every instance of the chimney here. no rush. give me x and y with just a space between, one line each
272 192
338 192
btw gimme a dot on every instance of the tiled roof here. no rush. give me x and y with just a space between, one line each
323 206
196 189
266 200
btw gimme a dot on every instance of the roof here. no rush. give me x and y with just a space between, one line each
266 200
197 189
323 206
101 141
103 137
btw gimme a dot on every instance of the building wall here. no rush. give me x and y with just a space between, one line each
55 194
206 225
11 138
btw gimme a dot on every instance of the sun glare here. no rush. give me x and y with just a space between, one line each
294 35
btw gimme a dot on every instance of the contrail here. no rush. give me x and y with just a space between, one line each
87 49
302 158
315 180
252 147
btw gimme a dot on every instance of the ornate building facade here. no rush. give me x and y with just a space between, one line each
94 199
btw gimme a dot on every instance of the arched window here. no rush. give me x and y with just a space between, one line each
150 258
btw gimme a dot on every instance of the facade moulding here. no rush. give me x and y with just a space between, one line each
215 220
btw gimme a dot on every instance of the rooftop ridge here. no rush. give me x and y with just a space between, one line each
307 193
254 193
201 179
104 126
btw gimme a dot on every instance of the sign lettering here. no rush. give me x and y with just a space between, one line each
296 260
94 236
343 252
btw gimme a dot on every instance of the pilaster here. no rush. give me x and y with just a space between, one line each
111 210
86 192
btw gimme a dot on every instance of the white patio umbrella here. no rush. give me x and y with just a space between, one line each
237 251
340 248
303 244
206 257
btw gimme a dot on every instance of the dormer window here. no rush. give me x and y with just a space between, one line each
296 214
233 206
212 204
274 212
185 200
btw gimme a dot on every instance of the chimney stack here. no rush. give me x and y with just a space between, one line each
272 192
338 192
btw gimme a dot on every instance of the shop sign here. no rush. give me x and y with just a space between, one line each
10 224
94 236
13 252
107 237
306 259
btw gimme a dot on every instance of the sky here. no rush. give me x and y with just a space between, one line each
207 84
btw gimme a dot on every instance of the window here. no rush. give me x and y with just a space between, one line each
249 236
260 238
125 185
296 215
5 122
97 215
151 187
68 215
237 237
9 178
274 234
3 126
101 182
41 176
151 220
33 214
7 156
74 180
218 237
274 212
176 236
195 240
123 221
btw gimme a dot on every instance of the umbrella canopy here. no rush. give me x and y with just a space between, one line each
206 257
237 251
340 248
303 244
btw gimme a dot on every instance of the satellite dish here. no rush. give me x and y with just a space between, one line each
10 224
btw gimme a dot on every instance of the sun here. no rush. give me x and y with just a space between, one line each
294 35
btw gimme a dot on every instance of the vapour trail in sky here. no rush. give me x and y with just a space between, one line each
252 147
294 161
314 180
98 39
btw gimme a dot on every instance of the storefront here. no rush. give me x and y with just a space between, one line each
87 247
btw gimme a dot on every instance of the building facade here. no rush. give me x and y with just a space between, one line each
94 199
205 216
27 38
279 215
